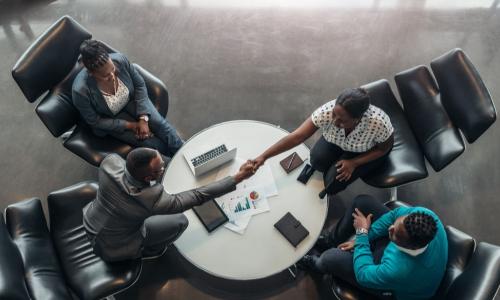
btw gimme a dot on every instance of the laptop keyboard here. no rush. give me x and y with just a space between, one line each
207 156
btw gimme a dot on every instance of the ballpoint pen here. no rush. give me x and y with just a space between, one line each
291 160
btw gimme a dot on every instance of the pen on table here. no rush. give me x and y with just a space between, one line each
291 160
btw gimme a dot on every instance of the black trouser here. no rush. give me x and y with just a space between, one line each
162 230
324 156
339 263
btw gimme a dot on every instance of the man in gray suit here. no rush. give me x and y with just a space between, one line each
133 216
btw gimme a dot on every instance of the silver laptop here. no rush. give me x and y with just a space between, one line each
209 157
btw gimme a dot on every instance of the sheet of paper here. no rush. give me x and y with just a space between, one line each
241 205
238 226
259 199
262 178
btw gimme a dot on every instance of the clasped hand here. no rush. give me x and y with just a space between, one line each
345 167
246 170
360 221
141 130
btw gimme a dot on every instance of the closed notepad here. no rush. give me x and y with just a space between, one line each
291 162
291 229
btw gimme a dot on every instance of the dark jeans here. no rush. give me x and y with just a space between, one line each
339 263
324 156
162 230
165 139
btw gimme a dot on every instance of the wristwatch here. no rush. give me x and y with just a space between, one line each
144 117
360 231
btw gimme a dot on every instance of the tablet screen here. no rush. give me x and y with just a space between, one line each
211 215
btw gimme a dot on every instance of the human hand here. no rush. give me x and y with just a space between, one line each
142 130
257 162
360 221
345 168
346 246
246 170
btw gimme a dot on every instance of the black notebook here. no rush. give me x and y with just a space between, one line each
291 229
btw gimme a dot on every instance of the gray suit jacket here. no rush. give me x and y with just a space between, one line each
115 219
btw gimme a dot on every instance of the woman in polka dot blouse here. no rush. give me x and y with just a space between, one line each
356 138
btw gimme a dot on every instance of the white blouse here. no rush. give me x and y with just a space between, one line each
117 101
374 128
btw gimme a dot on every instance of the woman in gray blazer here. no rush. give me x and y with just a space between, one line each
112 98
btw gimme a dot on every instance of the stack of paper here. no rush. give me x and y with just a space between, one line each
249 198
241 205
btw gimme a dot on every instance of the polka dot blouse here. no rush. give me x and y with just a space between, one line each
374 128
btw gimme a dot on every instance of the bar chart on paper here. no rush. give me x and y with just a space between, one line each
242 205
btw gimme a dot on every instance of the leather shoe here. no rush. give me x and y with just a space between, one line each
307 263
324 242
153 254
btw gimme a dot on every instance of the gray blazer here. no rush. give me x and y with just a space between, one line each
114 221
88 99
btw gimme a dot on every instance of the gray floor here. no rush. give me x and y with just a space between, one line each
274 61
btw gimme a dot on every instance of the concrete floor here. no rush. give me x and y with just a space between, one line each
274 61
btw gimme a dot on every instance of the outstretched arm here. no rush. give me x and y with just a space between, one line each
299 135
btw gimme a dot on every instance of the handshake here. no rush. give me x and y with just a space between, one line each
248 169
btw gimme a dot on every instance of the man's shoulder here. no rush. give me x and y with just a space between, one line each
112 163
423 210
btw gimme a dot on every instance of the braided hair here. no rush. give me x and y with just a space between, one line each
421 229
354 101
94 54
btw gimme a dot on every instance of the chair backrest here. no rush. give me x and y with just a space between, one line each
65 206
28 229
463 94
12 284
439 139
87 274
50 64
460 249
481 278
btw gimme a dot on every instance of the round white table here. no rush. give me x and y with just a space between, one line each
261 251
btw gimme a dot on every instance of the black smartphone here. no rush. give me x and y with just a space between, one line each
306 173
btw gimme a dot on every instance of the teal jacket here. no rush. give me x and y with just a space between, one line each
408 277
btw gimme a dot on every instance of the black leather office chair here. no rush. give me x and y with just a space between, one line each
430 118
12 283
28 229
86 274
472 271
406 162
50 65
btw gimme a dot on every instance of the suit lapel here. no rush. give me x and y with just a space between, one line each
97 98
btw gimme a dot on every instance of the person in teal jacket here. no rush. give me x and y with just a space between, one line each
402 255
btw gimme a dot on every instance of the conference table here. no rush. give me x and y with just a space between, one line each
261 251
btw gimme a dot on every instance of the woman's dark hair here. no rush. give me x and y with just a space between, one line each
354 101
421 229
138 161
94 54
